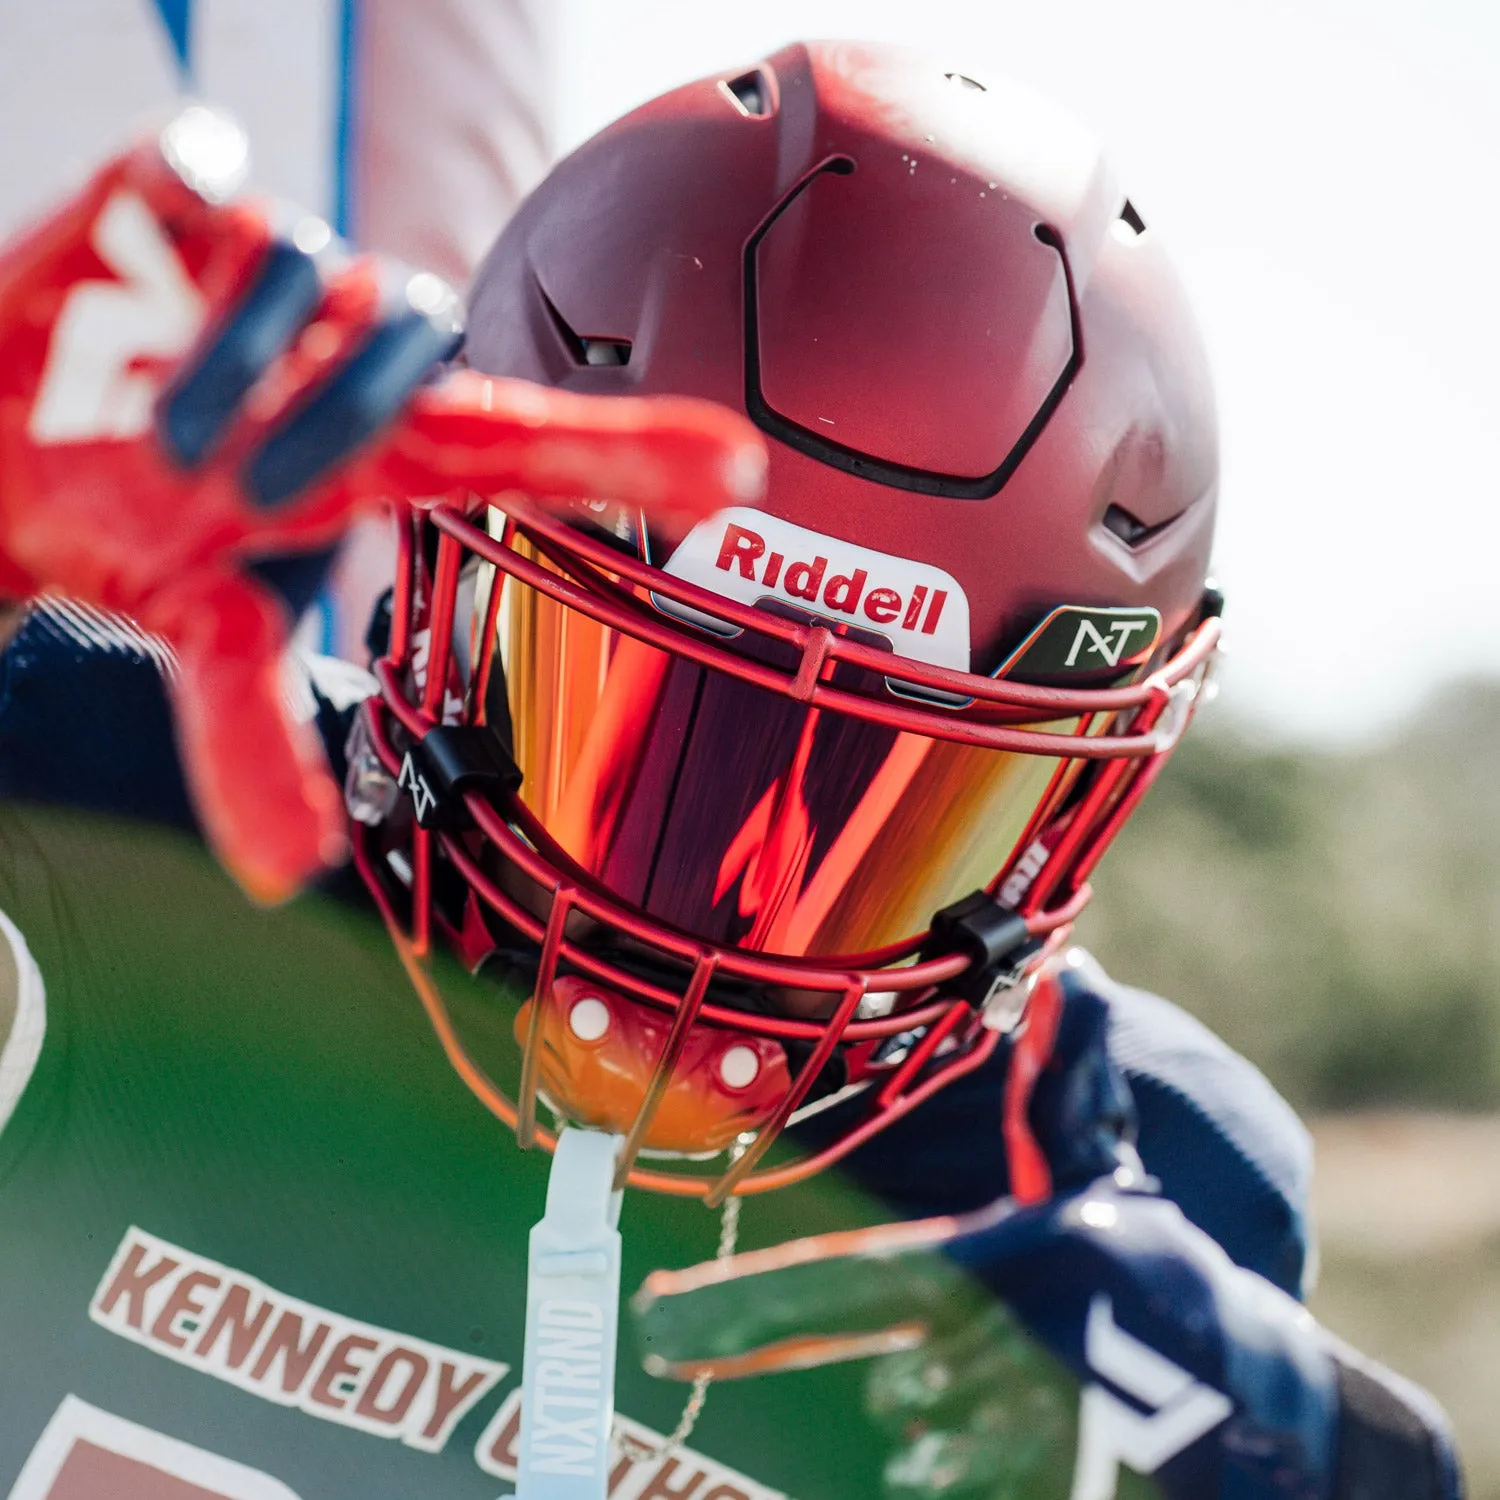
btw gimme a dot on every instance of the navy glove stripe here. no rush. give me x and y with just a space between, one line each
351 408
201 406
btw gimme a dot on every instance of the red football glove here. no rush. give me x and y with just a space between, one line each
186 394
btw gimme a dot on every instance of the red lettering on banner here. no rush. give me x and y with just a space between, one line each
181 1304
393 1412
882 605
232 1316
340 1366
773 569
132 1283
641 1468
285 1343
621 1471
449 1399
742 547
501 1450
660 1486
229 1326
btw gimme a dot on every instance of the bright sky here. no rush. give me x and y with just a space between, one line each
1327 175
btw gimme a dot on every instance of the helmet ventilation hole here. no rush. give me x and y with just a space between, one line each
589 1019
586 350
1129 216
963 81
1130 529
749 94
739 1066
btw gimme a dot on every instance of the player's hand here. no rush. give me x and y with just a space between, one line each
1063 1350
194 389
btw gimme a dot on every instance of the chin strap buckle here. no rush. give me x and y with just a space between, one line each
448 761
995 939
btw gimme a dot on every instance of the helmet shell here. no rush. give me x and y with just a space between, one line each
838 828
929 292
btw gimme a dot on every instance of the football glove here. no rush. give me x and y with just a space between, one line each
198 395
1092 1346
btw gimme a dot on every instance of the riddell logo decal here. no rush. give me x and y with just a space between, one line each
748 556
226 1324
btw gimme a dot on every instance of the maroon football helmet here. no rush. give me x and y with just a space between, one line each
792 808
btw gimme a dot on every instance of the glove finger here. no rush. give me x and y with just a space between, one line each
677 458
816 1301
204 409
263 794
371 343
101 298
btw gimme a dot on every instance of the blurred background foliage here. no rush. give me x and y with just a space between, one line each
1334 916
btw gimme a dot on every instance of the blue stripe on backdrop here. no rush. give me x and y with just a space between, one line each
321 620
177 17
347 117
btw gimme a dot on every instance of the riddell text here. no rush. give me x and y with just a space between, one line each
847 594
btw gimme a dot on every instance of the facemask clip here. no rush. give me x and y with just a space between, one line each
995 939
448 761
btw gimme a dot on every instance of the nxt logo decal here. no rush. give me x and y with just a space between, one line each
1109 646
1172 1413
414 783
1074 639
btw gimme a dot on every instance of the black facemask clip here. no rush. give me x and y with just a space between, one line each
449 761
995 940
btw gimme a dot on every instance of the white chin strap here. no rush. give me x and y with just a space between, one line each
572 1321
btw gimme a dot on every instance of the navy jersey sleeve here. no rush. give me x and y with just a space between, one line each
84 718
1222 1142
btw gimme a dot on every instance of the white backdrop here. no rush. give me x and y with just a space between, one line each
1327 175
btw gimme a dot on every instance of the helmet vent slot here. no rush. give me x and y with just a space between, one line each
749 94
586 350
1130 529
606 351
1130 215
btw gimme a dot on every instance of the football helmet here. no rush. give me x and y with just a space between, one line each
790 805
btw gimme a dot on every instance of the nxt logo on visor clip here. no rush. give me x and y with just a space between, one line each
449 761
